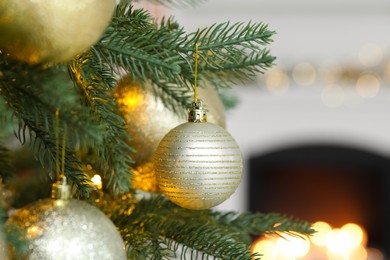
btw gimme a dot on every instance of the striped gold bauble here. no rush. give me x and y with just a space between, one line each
198 164
149 120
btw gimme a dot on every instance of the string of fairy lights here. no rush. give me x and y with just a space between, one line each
363 78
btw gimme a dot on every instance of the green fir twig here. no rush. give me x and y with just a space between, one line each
164 53
114 154
165 229
33 98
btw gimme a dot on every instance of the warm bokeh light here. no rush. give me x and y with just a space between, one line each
132 99
266 248
345 243
323 229
292 246
368 85
355 232
277 81
97 181
33 231
337 256
370 55
359 253
304 74
338 241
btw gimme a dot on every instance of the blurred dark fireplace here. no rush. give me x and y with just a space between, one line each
325 182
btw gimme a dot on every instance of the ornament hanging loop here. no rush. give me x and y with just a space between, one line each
57 132
60 190
196 113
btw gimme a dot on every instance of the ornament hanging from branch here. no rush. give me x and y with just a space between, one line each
139 106
198 164
65 228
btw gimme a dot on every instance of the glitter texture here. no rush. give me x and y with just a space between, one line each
149 120
51 30
198 165
72 230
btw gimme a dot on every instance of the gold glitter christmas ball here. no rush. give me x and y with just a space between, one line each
51 30
68 230
148 120
198 165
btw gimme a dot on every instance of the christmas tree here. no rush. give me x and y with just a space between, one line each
65 81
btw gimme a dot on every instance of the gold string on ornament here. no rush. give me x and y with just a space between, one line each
60 189
60 172
57 127
196 71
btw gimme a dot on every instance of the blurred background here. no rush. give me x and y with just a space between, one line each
315 130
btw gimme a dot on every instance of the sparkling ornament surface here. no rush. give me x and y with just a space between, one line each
149 120
198 165
51 30
69 230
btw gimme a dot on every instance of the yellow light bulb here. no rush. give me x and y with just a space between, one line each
355 233
323 229
266 248
97 181
293 246
338 241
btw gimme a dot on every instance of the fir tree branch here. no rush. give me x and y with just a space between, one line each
222 35
161 225
44 146
146 245
38 94
232 52
173 96
164 54
7 121
34 97
114 153
176 228
258 223
127 17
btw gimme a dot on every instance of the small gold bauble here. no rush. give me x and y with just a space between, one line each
148 120
68 230
51 30
198 165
